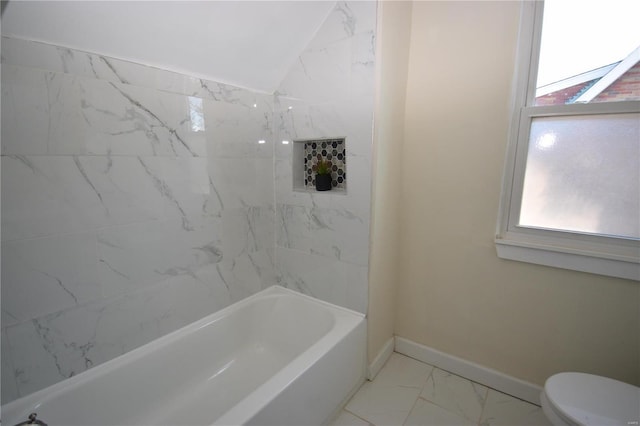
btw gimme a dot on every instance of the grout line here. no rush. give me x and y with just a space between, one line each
484 404
355 415
411 410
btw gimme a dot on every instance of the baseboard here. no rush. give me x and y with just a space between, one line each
382 357
470 370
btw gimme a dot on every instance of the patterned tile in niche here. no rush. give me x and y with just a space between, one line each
332 150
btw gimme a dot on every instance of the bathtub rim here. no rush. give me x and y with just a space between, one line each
254 402
14 411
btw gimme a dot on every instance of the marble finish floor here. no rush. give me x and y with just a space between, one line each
409 392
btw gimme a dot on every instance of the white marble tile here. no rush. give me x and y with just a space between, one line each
34 368
338 62
191 198
31 54
349 118
400 370
293 122
8 387
60 345
264 184
7 318
347 19
217 91
246 230
138 255
340 234
284 185
357 288
327 279
321 74
236 131
502 409
248 273
293 227
243 182
362 64
383 405
27 93
178 301
355 201
58 195
130 120
71 61
131 321
455 394
333 233
122 186
358 195
64 60
126 155
345 418
179 192
427 413
69 115
46 275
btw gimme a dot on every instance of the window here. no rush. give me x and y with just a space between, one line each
571 193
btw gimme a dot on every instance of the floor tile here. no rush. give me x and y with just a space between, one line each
502 409
345 418
382 404
427 413
456 394
401 370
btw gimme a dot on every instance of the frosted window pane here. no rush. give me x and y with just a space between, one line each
583 175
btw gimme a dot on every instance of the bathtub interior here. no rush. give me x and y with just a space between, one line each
192 376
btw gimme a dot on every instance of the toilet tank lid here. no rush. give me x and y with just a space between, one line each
594 400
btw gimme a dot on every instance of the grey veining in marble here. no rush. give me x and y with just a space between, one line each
137 200
323 238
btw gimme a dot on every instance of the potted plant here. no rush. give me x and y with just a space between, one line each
323 175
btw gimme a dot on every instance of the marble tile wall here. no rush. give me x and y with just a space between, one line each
134 201
322 238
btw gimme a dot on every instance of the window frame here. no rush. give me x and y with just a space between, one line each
604 255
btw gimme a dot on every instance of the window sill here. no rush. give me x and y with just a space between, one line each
577 259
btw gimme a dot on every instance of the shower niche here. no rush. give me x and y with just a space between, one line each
308 153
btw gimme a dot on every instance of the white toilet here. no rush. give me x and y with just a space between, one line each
585 399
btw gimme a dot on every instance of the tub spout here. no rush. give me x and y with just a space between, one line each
33 420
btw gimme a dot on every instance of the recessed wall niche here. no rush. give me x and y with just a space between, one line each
307 153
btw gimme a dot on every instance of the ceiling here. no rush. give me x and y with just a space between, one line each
250 44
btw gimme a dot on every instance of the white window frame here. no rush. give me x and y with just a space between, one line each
611 256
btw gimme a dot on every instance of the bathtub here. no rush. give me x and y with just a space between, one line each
275 358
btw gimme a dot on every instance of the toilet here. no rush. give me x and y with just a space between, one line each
586 399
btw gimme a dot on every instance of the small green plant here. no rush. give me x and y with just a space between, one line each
323 167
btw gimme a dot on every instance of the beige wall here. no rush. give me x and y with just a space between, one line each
392 50
454 294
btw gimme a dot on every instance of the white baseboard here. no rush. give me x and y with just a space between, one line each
470 370
382 357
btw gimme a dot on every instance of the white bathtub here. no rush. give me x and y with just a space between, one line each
275 358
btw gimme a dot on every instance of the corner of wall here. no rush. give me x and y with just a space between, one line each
393 36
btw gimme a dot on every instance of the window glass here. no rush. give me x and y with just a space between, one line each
583 175
589 52
571 193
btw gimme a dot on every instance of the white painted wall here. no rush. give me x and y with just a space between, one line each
454 294
394 31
